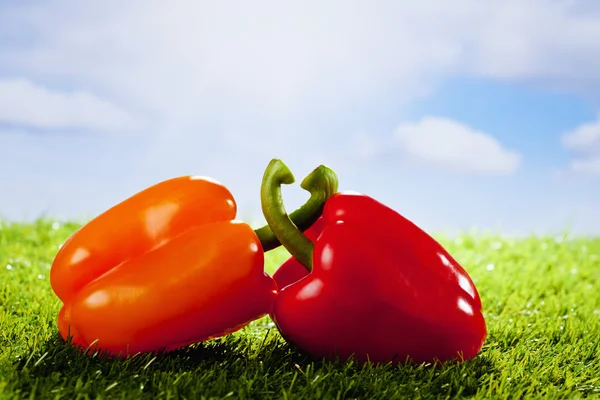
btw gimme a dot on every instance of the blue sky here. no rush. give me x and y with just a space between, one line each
458 115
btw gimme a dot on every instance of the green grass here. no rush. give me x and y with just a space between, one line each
541 298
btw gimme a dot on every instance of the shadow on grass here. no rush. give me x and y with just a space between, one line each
55 355
236 356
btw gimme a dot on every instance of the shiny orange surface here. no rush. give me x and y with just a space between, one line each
167 267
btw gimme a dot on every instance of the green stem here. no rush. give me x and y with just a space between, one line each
322 180
321 183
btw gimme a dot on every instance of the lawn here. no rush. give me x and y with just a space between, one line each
540 295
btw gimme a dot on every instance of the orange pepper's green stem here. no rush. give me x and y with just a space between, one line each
322 183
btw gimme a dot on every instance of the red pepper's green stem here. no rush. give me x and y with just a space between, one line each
322 183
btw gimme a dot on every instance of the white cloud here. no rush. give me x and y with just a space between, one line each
583 139
584 144
24 103
451 145
589 165
188 59
543 42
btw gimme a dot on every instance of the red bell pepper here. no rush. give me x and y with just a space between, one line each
379 288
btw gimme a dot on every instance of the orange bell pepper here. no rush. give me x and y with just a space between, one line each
168 267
